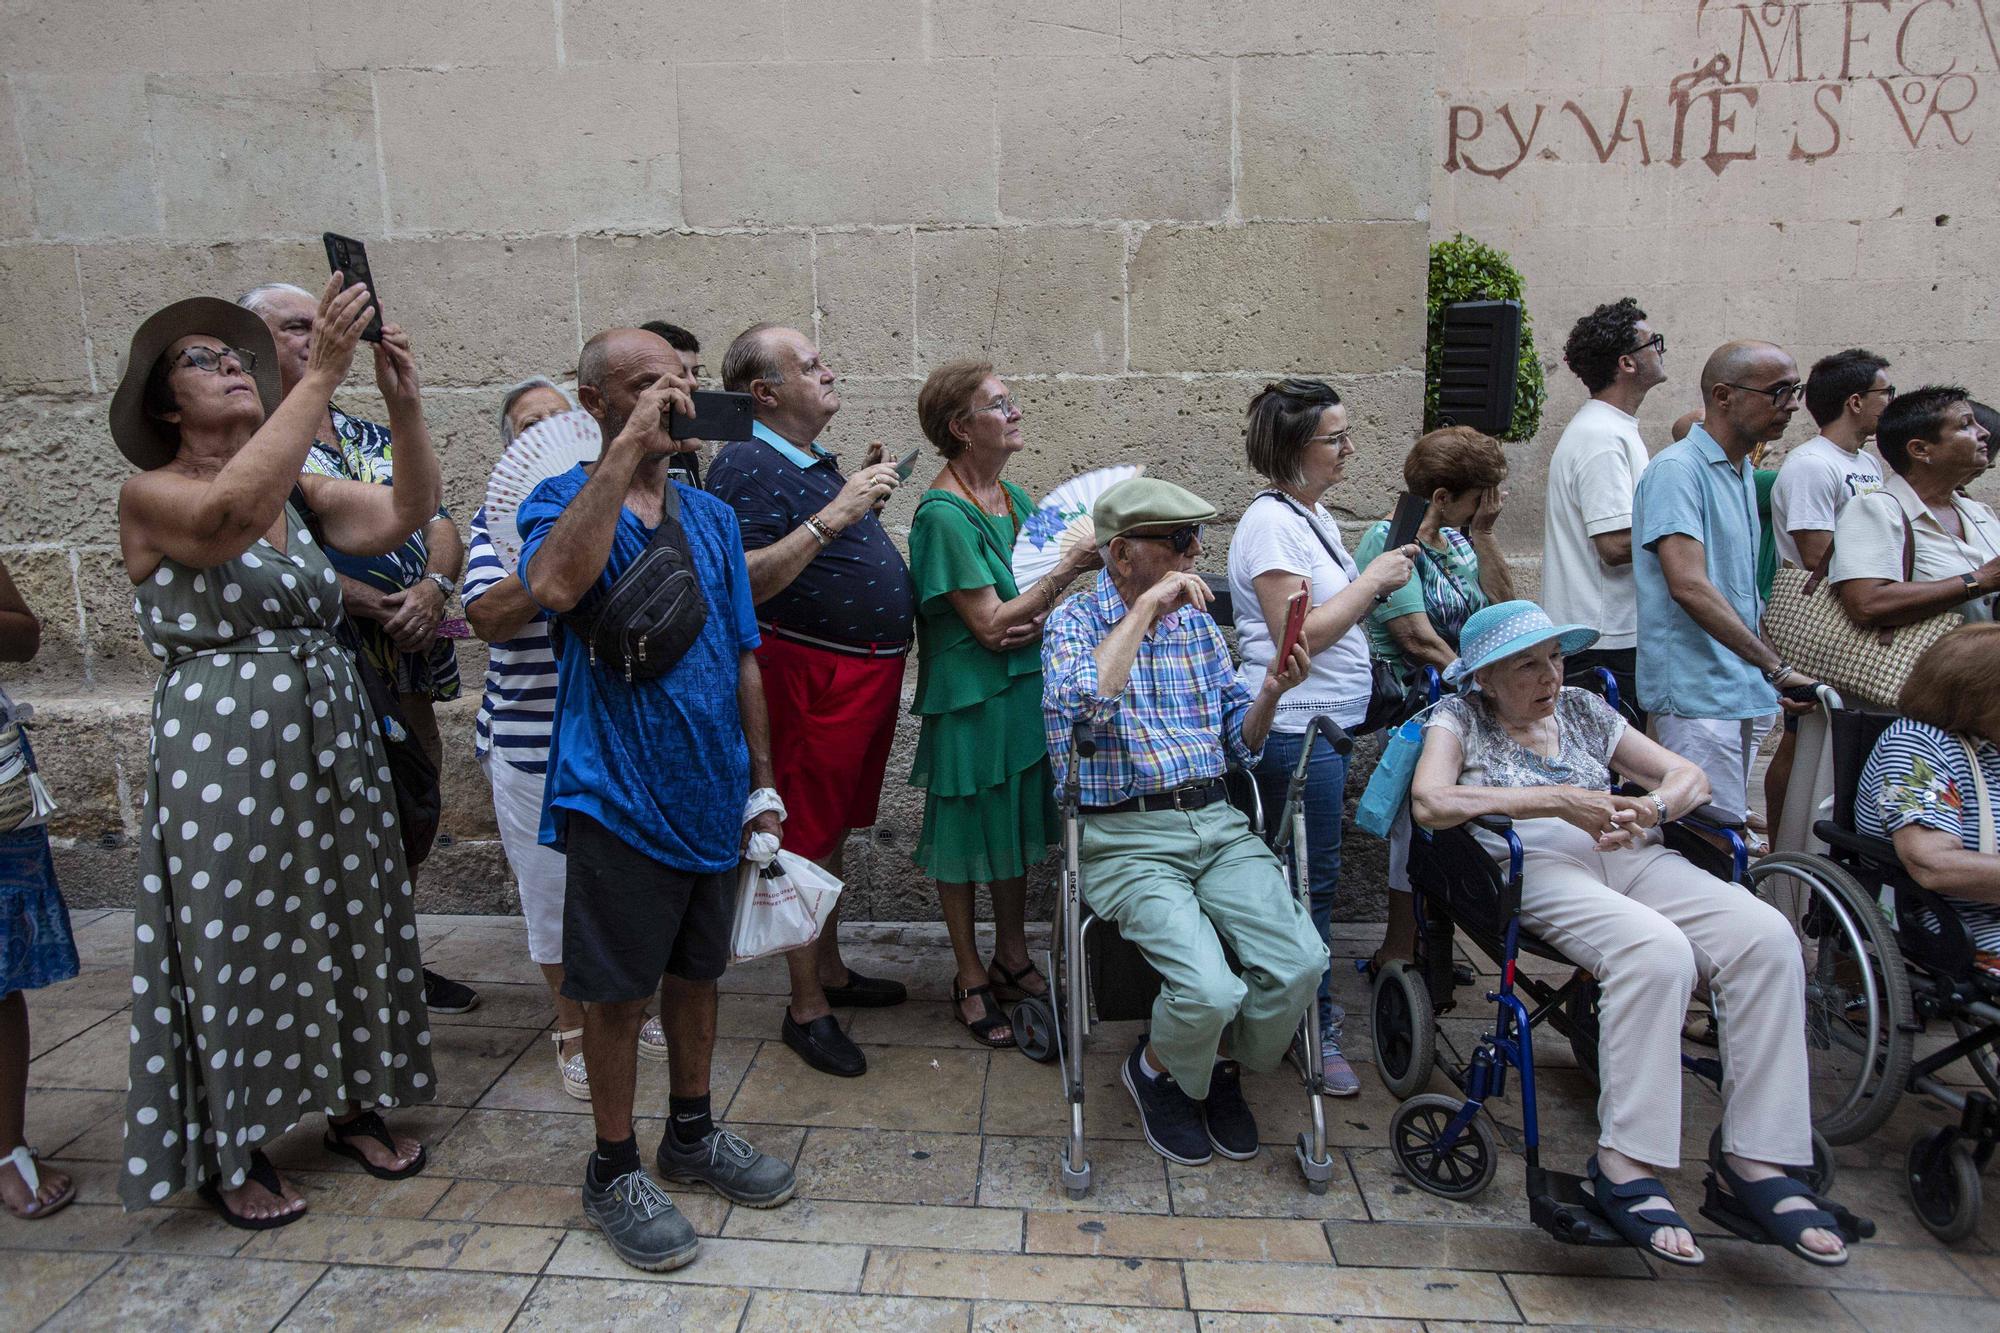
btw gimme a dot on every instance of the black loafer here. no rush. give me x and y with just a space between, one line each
824 1046
442 995
866 992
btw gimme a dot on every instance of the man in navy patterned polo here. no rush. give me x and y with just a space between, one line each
834 607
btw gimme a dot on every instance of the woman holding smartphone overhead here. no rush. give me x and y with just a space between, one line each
1298 439
982 758
275 961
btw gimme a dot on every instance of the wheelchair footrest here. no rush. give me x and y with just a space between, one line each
1561 1207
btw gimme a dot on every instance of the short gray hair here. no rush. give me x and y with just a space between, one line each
258 299
514 394
751 357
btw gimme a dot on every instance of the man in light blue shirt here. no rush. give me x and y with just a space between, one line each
1704 674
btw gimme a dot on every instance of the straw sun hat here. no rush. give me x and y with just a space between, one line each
143 439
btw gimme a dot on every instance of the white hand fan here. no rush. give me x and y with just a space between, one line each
1063 520
546 449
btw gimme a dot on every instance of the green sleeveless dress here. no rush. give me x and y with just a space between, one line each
982 759
275 968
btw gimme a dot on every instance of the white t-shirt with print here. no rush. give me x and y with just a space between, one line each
1592 476
1814 482
1276 536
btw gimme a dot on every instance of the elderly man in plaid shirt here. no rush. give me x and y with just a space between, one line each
1164 854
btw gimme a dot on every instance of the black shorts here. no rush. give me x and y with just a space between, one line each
628 920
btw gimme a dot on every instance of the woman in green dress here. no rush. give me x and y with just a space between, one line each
275 969
982 761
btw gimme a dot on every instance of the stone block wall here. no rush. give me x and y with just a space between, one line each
1818 173
1139 209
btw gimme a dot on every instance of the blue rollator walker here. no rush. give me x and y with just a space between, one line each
1097 975
1440 1140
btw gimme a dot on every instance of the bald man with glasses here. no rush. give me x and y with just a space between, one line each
1710 683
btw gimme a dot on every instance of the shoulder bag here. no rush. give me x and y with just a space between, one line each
1811 630
646 621
1388 696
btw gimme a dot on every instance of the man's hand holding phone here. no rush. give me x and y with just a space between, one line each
647 428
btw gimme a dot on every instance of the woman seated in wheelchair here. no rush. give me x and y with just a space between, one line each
1933 781
1599 886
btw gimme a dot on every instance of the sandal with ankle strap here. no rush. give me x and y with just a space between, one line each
1749 1209
1617 1204
982 1028
261 1173
339 1139
23 1160
1009 990
574 1073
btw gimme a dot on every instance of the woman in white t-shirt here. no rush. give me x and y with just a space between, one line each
1298 439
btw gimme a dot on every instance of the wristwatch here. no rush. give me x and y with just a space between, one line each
1777 673
444 584
1972 583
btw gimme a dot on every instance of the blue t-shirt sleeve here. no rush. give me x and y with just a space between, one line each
742 609
1669 502
536 518
762 517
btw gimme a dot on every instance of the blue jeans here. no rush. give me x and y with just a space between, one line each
1326 808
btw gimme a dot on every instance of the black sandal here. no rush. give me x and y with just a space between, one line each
1749 1209
262 1173
1616 1205
369 1125
1009 990
982 1028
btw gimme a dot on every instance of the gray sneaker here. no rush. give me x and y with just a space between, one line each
730 1167
640 1221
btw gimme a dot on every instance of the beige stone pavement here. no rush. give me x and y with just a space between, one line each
927 1196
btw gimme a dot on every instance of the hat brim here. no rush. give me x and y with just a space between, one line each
1570 639
138 436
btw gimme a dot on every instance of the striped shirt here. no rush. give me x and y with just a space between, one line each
1920 777
519 705
1179 718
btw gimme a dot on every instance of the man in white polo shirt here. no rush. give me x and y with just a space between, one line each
1587 522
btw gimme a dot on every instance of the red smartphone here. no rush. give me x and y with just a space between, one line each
1296 607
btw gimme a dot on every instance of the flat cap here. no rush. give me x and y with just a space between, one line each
1143 502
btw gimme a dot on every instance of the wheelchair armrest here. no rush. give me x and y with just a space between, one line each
1734 834
1880 851
1504 826
1497 823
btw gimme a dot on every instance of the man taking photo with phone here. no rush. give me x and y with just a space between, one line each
835 606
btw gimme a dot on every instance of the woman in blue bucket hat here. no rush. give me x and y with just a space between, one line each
1599 886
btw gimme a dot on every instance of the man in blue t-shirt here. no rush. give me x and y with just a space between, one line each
648 782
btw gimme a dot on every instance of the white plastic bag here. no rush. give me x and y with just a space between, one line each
780 906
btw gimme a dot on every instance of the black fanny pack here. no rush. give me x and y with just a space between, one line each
646 621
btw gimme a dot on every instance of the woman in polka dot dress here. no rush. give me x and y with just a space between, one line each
275 964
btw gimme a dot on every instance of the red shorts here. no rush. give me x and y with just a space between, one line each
833 718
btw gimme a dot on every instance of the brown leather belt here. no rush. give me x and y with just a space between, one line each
1193 796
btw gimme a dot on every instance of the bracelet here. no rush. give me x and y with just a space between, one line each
819 530
1777 673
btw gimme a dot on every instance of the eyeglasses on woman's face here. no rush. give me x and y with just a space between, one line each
1341 440
1004 405
210 358
1182 539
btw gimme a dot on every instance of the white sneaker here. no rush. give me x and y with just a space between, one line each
652 1041
575 1075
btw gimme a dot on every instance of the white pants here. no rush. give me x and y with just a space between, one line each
1646 923
1723 748
539 872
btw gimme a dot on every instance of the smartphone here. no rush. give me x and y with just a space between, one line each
1403 524
349 258
718 416
907 464
1296 607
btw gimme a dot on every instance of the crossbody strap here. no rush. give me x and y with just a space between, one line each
1344 562
1981 797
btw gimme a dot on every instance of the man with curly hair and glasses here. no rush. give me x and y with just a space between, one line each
1593 473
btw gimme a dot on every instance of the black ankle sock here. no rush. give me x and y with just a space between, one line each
689 1120
612 1160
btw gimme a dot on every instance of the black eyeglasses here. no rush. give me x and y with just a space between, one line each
1182 538
1779 394
1887 391
1658 342
210 358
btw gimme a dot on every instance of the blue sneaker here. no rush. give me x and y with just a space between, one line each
1170 1118
1231 1128
1341 1080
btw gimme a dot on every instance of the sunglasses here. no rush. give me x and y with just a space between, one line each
1182 539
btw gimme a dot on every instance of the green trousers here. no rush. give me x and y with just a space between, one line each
1172 881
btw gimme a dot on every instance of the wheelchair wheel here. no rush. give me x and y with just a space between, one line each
1858 1011
1458 1172
1405 1030
1943 1184
1985 1061
1818 1177
1034 1025
1580 1014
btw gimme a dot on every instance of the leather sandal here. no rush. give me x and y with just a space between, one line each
23 1160
1616 1204
1008 988
261 1173
339 1139
982 1028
